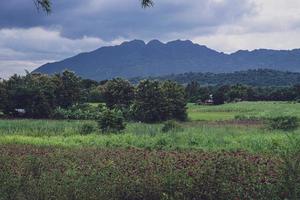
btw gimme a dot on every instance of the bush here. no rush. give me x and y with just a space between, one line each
159 101
284 123
111 121
78 112
87 128
171 125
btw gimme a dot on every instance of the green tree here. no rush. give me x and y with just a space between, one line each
3 96
34 93
111 121
174 100
118 93
219 96
192 91
156 101
149 102
68 89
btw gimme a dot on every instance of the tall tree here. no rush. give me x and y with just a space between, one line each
118 93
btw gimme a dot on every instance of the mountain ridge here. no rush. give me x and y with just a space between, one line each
155 58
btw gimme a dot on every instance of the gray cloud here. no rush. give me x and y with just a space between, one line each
125 18
29 38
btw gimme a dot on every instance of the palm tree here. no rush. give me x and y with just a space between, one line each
45 5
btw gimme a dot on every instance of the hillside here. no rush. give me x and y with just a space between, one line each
136 58
260 77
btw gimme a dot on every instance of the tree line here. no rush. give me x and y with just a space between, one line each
221 94
256 77
42 96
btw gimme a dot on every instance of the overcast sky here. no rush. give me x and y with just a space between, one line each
29 38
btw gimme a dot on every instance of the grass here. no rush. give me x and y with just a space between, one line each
200 137
209 157
194 135
247 109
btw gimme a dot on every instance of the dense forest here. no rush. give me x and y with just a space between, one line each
259 77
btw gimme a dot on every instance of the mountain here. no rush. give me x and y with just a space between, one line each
136 58
259 77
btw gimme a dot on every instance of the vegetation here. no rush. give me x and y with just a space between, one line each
42 159
156 101
133 174
260 110
118 93
111 121
171 125
223 151
238 92
284 123
65 96
254 78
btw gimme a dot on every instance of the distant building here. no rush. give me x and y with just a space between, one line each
209 101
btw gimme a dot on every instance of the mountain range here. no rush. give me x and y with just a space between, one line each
139 59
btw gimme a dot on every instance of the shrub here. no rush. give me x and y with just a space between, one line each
111 121
159 101
284 123
78 112
171 125
87 128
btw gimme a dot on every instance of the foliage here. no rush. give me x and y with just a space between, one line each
284 123
149 102
43 4
174 100
136 174
87 128
291 169
79 111
68 90
254 78
219 96
118 93
38 95
111 121
171 125
156 101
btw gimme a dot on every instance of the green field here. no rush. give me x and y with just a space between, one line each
212 156
195 134
258 110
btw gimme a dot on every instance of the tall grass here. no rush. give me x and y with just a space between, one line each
208 138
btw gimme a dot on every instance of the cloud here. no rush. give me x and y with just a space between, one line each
125 18
22 49
28 37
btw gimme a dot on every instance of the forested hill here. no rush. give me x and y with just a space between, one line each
137 58
259 77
